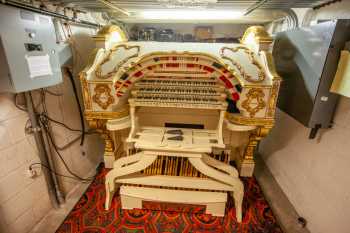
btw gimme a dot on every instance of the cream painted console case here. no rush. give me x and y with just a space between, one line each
174 115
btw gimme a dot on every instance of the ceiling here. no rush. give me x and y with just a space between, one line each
256 11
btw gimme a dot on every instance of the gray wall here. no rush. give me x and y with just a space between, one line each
314 174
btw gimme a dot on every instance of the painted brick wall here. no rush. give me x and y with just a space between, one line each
17 192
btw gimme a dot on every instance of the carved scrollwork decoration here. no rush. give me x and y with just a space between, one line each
103 96
113 50
244 74
254 102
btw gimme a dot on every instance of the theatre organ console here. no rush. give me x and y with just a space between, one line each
175 115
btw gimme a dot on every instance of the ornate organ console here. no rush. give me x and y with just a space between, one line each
173 115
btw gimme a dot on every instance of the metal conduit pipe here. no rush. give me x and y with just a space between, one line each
39 140
48 13
255 6
52 166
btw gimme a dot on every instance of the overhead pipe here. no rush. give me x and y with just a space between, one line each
255 6
114 7
48 13
325 4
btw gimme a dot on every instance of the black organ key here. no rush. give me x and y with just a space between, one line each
175 131
176 138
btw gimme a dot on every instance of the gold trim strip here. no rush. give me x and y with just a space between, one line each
238 119
271 65
107 115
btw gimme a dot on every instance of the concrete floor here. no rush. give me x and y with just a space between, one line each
285 213
54 218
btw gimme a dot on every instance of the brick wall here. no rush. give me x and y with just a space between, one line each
17 192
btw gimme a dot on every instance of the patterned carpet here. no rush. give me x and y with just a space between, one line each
89 216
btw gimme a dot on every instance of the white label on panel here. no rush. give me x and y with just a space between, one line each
39 65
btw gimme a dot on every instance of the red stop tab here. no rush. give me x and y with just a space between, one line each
235 96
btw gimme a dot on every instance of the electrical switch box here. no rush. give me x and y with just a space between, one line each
29 54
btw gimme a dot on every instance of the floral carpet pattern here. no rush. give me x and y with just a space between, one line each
89 215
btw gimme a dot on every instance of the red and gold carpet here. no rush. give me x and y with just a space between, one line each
89 215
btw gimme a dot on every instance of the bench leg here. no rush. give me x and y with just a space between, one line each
125 166
216 209
235 182
110 190
238 199
129 203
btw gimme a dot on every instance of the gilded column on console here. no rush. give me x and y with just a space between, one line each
100 126
246 162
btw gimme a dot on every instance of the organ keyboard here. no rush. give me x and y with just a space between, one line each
199 93
177 93
173 117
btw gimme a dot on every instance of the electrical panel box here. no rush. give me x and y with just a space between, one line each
28 51
307 60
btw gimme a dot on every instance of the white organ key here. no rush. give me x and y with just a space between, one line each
182 93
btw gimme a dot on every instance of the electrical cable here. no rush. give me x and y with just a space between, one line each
47 118
70 76
61 148
48 133
46 129
22 108
52 93
52 171
67 145
59 123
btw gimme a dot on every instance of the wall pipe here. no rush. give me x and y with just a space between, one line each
52 167
114 7
325 4
48 13
39 140
255 6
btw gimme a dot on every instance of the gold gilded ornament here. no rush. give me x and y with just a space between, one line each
103 96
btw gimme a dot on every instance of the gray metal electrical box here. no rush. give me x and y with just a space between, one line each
307 59
28 51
